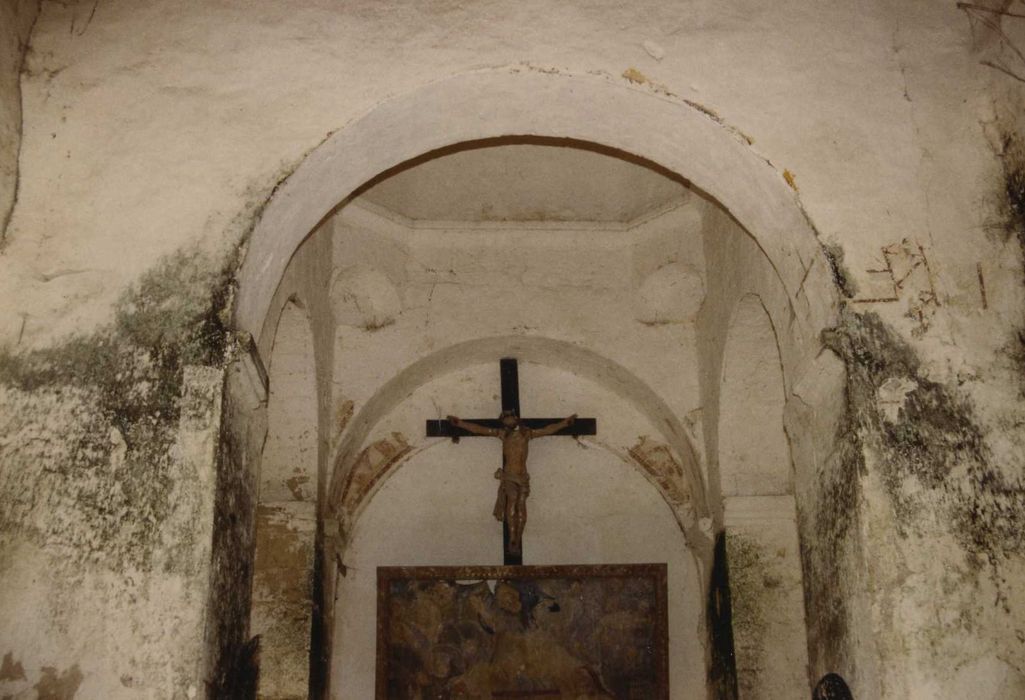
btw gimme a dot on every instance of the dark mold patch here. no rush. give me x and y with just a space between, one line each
105 410
174 316
722 667
934 443
1016 351
62 686
1012 157
233 656
748 581
933 462
11 670
934 431
835 548
844 280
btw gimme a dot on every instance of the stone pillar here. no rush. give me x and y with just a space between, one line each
767 596
282 596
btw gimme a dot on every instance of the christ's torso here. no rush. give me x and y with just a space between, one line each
514 450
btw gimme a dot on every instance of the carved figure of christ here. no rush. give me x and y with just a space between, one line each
515 433
514 480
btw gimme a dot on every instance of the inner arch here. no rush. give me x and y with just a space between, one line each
543 351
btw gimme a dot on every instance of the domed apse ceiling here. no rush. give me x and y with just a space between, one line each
533 182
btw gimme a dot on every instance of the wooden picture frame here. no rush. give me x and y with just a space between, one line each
526 632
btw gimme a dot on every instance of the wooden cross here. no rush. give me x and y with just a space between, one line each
494 427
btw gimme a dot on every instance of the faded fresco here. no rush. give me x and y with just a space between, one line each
522 632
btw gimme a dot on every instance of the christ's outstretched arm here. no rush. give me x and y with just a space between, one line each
554 427
473 427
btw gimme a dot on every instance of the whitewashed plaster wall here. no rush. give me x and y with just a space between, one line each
306 284
525 179
546 390
149 129
406 289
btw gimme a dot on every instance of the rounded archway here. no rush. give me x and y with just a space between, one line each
674 135
684 492
681 137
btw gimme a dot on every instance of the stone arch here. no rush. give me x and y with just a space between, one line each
522 101
685 492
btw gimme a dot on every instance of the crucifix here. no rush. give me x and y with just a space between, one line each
514 432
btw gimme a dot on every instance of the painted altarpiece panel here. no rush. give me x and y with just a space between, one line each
523 632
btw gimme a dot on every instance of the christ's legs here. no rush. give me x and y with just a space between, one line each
516 517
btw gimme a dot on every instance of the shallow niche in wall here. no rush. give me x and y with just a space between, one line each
363 297
588 265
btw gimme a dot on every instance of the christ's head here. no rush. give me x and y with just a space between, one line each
509 419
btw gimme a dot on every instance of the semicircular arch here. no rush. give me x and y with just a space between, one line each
517 101
559 354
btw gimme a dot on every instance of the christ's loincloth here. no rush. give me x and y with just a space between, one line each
512 486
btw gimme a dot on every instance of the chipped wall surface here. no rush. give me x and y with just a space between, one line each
101 550
153 135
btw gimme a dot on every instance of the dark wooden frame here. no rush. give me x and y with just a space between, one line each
659 572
